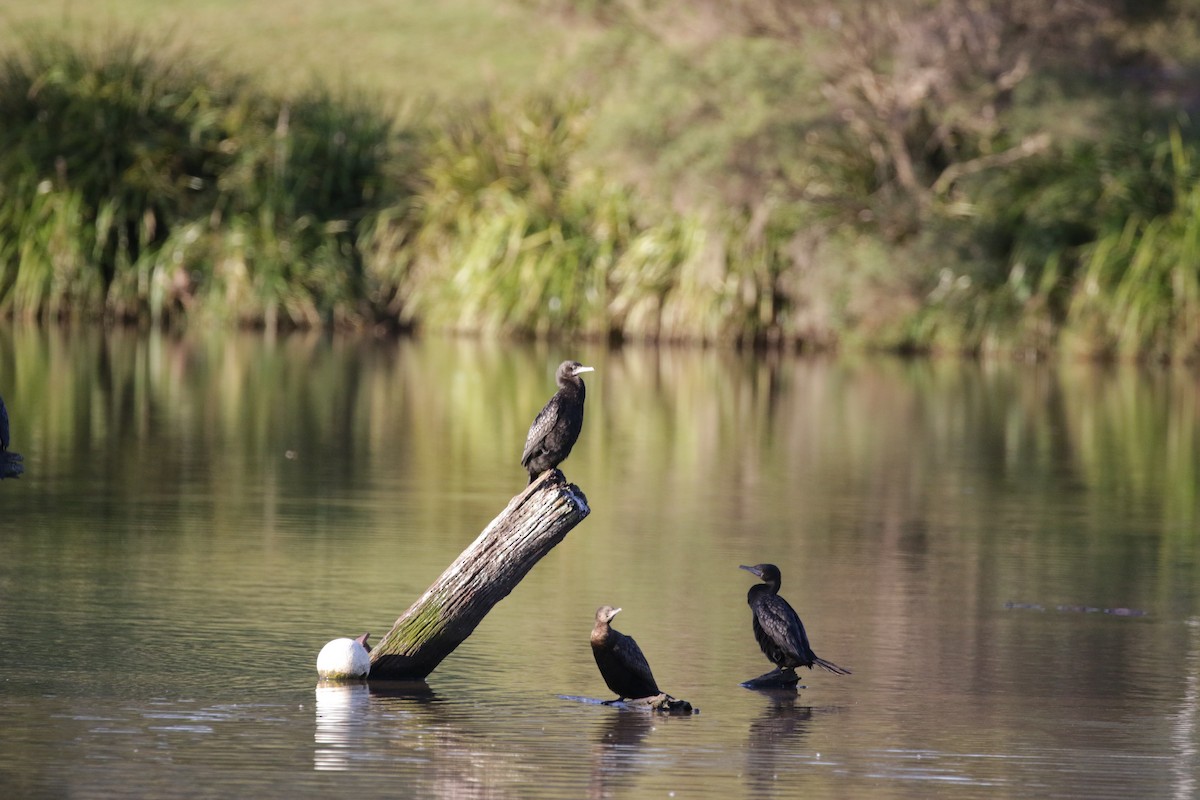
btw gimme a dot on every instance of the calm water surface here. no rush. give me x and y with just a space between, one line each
199 515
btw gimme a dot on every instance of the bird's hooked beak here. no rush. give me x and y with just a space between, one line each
613 613
580 371
752 570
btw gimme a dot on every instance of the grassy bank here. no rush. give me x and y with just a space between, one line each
138 183
768 179
396 49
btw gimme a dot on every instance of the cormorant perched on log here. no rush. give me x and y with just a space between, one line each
777 626
620 660
557 425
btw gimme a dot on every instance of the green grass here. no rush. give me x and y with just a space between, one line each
1139 288
394 48
136 182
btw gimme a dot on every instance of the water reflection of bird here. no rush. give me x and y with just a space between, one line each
625 730
620 660
773 740
617 756
777 626
780 720
556 427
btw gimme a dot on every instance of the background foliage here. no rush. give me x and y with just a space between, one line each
973 175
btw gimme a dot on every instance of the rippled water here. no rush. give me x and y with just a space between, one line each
199 515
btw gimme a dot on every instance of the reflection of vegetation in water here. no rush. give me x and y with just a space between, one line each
936 489
448 406
407 449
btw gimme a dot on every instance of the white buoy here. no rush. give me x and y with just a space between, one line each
345 659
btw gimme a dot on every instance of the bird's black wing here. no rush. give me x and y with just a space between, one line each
780 620
627 650
543 423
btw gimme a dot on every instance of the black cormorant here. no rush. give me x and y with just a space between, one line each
557 425
10 462
620 659
777 626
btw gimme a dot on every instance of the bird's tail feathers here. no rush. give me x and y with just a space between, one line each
829 666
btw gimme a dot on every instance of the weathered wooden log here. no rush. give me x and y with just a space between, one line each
658 702
483 575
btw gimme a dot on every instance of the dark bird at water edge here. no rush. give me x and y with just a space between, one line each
777 626
10 462
556 427
620 660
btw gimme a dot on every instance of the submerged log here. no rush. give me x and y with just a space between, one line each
658 702
483 575
777 678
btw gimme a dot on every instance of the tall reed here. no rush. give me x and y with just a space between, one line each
140 182
510 234
1139 291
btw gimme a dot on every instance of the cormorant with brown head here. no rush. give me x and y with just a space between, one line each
620 660
556 427
777 626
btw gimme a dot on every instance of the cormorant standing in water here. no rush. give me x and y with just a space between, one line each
777 626
10 462
557 425
620 659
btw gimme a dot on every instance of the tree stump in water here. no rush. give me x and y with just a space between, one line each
658 702
775 679
483 575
